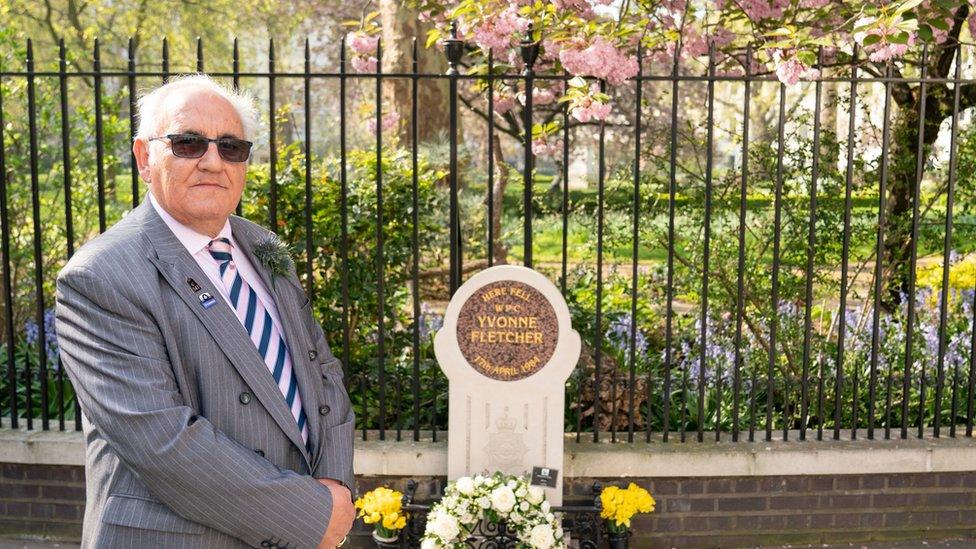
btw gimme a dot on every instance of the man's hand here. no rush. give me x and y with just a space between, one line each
343 513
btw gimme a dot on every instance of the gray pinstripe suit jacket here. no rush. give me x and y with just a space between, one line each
189 441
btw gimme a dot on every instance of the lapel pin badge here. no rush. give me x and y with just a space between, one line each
207 300
193 284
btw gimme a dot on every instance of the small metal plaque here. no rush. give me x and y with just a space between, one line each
544 476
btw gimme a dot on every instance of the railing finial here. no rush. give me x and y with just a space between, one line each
530 48
454 47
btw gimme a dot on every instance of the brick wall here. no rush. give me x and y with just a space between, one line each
42 500
746 511
48 501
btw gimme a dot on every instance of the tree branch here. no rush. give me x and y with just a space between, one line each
948 52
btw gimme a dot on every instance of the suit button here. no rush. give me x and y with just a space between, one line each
245 398
323 410
259 452
312 354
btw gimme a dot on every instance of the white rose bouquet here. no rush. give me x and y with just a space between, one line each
469 500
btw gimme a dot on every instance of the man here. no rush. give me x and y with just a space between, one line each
214 412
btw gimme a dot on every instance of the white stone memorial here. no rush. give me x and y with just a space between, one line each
507 347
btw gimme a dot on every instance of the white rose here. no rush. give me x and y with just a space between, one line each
479 480
550 517
511 484
545 507
536 495
502 499
465 485
484 502
443 525
428 544
520 492
541 537
524 506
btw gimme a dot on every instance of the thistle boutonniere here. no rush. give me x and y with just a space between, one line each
275 256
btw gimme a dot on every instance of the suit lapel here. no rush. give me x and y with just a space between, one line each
176 265
288 300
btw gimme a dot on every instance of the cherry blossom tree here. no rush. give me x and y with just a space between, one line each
599 41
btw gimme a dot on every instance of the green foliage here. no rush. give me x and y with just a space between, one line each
361 265
27 379
50 233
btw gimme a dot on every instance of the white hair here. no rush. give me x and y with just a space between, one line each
149 104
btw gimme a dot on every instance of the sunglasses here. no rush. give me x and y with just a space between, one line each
188 145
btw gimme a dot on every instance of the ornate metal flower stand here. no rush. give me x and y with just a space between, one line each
581 524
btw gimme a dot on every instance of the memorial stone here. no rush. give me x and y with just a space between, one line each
507 347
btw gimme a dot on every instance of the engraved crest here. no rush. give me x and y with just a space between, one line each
506 446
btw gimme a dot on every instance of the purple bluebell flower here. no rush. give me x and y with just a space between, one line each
430 321
619 335
32 333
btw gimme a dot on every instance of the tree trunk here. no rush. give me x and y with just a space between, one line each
400 26
903 157
829 145
499 251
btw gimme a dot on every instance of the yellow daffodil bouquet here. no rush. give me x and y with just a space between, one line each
382 508
620 505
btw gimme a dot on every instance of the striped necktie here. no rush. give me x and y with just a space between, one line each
259 325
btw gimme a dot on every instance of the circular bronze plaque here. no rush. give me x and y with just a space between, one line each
507 330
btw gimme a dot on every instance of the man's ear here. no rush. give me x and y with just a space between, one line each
140 149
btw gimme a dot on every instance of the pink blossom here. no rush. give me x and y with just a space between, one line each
591 110
364 64
884 49
939 35
722 36
503 103
550 49
814 4
789 72
792 70
694 44
361 42
600 59
389 122
540 96
581 7
542 147
888 51
496 32
757 10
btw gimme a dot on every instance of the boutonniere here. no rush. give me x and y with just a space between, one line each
275 256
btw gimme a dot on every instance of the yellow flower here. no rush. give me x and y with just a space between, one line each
620 505
382 507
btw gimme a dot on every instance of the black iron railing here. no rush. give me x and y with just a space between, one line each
649 391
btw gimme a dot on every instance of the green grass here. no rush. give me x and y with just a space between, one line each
581 246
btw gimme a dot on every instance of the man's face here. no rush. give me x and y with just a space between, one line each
198 192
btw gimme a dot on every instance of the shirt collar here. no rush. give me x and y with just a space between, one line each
193 241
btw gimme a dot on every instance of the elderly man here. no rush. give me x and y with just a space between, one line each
214 412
